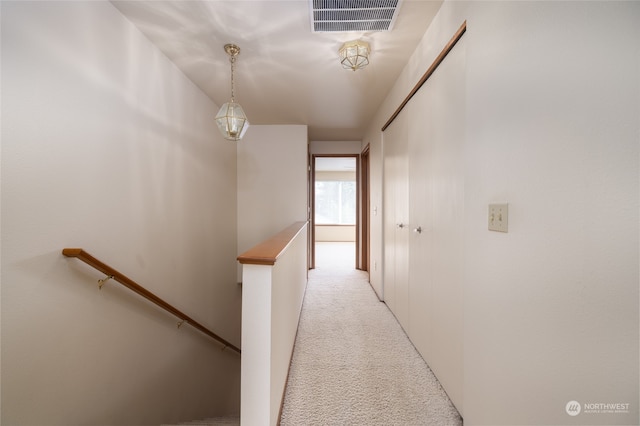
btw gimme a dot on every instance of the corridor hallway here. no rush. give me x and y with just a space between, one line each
352 362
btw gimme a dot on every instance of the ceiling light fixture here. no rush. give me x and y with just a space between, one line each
231 119
354 54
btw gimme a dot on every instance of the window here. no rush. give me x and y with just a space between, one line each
335 202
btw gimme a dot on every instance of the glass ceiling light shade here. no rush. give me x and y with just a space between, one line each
354 54
231 119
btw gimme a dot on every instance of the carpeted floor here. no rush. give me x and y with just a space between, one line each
352 362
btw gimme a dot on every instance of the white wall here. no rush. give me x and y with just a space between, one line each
566 282
335 147
376 240
287 294
107 146
272 182
272 302
335 233
552 112
335 176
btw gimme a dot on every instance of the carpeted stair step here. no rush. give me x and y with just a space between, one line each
217 421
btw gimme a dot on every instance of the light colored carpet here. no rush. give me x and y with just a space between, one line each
352 362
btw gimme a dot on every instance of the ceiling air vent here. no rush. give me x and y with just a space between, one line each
353 15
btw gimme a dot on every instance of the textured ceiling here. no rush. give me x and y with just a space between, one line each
286 73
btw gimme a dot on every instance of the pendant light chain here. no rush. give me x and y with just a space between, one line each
233 62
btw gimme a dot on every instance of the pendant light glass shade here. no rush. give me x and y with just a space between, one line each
354 54
231 119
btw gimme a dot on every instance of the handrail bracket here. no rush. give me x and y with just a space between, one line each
103 281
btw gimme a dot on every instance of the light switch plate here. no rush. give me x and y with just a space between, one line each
499 217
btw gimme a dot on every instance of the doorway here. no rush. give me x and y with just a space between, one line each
335 207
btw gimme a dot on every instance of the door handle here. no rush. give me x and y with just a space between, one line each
418 230
401 225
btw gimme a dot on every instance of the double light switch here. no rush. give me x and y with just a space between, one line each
499 217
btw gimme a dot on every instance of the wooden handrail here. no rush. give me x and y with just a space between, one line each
267 252
436 63
132 285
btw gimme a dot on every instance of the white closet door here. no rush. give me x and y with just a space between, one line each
402 232
389 220
396 229
436 135
424 220
421 239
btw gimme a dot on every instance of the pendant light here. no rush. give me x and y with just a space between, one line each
231 119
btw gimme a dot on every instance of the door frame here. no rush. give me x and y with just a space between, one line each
365 210
312 215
